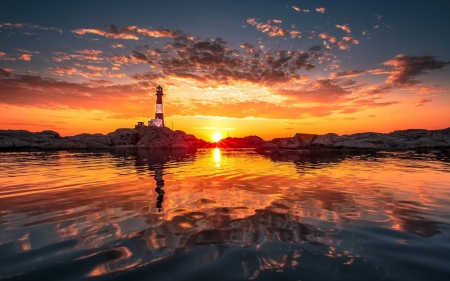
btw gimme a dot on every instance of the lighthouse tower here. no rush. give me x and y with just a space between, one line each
159 115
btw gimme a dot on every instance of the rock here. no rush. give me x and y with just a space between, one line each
123 137
155 137
6 143
324 140
269 145
52 134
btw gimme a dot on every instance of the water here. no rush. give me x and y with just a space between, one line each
223 215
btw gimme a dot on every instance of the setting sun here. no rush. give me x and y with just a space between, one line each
217 136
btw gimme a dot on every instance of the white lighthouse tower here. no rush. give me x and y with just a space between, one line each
159 114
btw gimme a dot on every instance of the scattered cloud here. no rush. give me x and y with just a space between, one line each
63 71
331 41
344 27
25 57
4 73
407 68
421 102
271 30
213 60
320 10
107 34
115 46
300 10
91 67
4 56
92 56
347 73
9 25
133 32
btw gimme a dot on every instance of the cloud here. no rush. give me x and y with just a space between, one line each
4 56
25 57
344 27
271 30
332 41
63 71
320 10
107 34
323 91
276 21
133 32
28 26
347 73
90 52
91 67
56 94
421 102
300 10
115 46
295 33
429 90
92 56
214 61
407 68
4 73
315 48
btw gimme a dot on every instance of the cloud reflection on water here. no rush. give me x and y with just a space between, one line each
282 211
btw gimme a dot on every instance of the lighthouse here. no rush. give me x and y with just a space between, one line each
159 115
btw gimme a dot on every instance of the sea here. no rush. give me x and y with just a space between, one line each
224 214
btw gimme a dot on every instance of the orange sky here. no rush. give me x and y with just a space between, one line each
276 71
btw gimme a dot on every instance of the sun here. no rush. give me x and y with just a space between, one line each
217 136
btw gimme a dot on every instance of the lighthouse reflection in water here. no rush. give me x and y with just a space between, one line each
223 214
158 168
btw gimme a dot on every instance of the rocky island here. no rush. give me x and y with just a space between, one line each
163 137
150 137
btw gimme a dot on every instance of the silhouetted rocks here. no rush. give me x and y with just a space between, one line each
245 142
398 140
149 137
156 138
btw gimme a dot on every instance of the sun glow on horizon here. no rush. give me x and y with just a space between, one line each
216 136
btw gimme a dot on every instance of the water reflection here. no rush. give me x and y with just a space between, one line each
259 217
217 156
158 168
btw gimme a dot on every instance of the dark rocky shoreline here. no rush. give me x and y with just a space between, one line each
150 137
419 140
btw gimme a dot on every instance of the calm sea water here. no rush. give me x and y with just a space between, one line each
223 215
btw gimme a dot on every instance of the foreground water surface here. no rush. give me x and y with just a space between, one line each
223 215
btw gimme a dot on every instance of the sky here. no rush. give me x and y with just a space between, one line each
266 68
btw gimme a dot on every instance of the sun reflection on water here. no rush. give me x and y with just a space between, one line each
217 156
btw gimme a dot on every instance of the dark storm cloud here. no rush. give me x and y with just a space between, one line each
407 68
